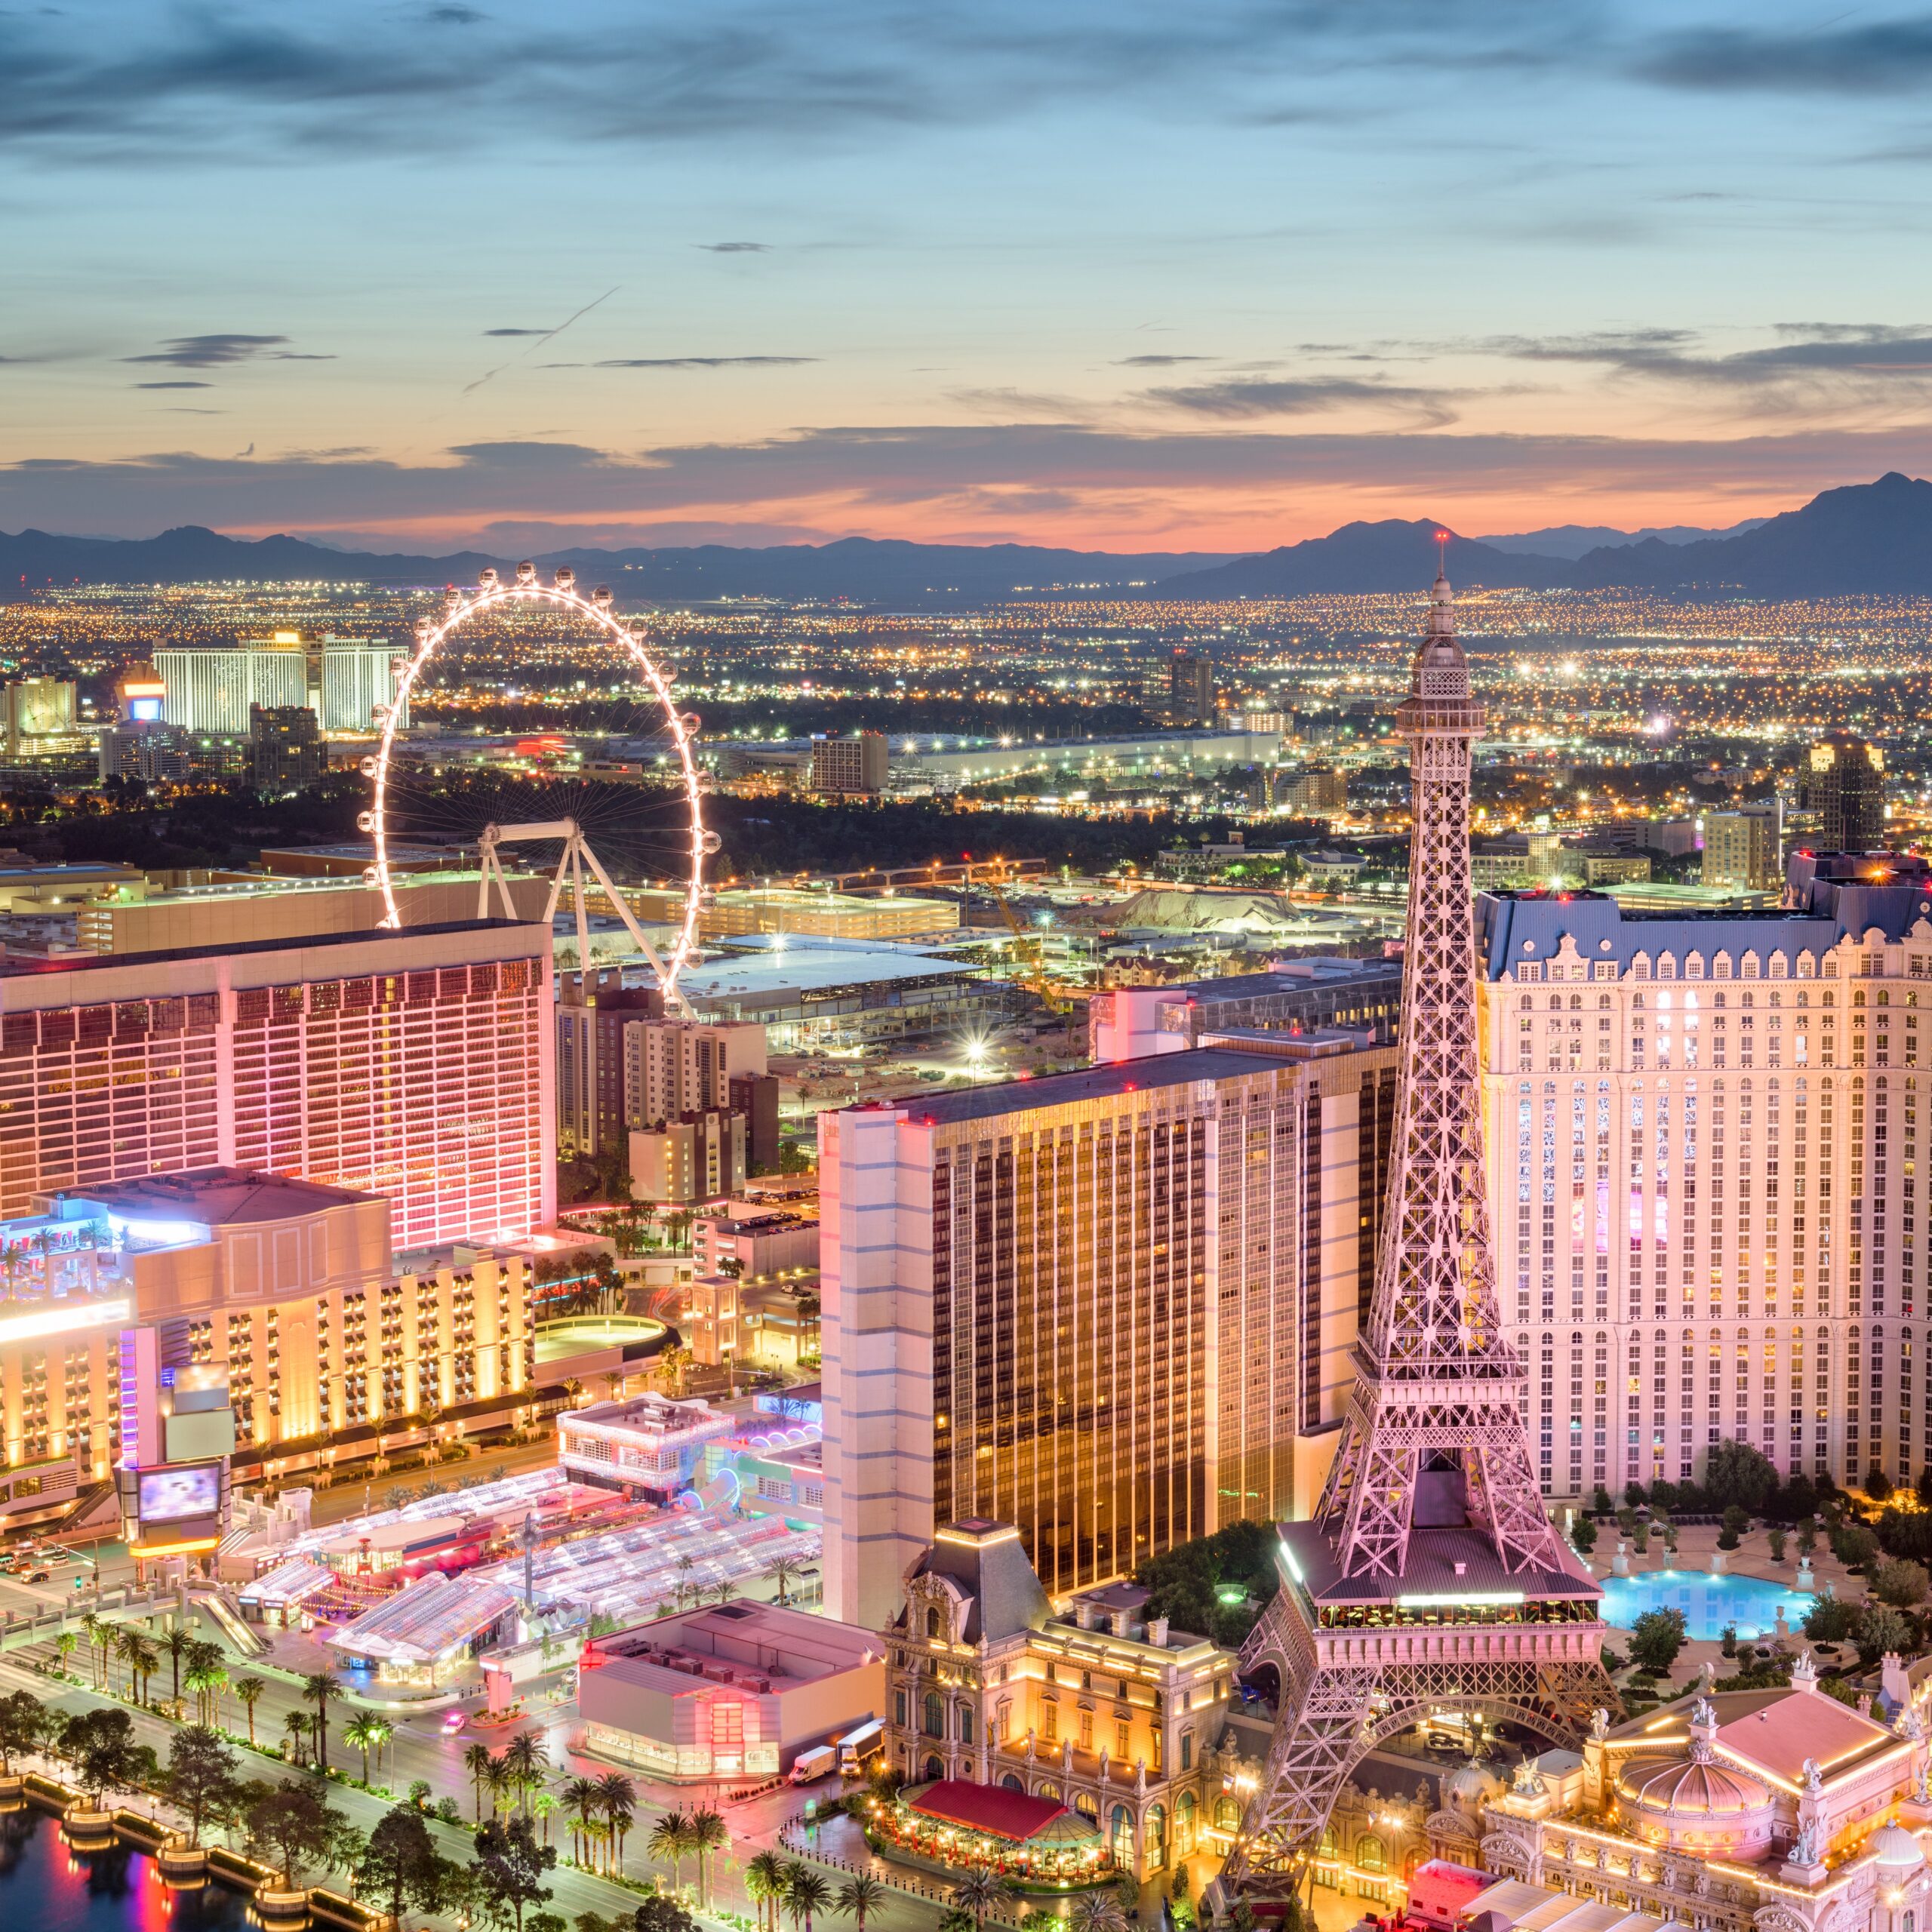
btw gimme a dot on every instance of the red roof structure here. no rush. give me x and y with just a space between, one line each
992 1809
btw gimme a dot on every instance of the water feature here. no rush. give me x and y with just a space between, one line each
45 1883
1747 1604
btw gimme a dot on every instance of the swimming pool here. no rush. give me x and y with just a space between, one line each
1709 1603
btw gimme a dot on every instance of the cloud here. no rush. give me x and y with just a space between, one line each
1812 358
211 352
1885 57
691 362
183 385
1158 361
1238 397
492 332
451 15
735 248
916 476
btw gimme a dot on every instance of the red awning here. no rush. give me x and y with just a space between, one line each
992 1809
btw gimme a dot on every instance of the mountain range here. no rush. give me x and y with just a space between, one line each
1872 538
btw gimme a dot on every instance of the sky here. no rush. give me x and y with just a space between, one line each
1168 275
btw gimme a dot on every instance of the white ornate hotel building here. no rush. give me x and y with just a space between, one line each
1703 1140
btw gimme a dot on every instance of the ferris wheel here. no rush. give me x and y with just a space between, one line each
695 842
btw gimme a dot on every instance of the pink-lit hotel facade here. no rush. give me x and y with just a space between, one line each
416 1065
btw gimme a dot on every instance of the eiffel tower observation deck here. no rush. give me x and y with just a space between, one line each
1431 1579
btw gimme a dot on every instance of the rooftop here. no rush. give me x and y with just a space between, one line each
1094 1083
1451 1565
216 1197
117 962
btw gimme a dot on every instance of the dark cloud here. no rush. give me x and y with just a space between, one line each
1158 361
838 475
183 385
448 15
691 362
211 352
1884 57
1805 355
493 332
1244 397
735 247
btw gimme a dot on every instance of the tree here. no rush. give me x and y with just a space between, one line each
662 1915
507 1871
297 1722
477 1762
402 1867
805 1893
523 1758
22 1719
1583 1534
782 1572
1881 1629
1600 1502
1854 1545
1830 1620
1878 1485
765 1884
176 1642
208 1678
1774 1539
859 1897
978 1891
581 1803
1100 1912
100 1640
670 1843
618 1797
142 1656
249 1691
1655 1638
321 1689
359 1734
65 1645
1901 1584
292 1827
1735 1472
1736 1520
1807 1537
708 1834
100 1747
201 1775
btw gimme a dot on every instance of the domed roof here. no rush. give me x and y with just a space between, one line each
1686 1787
1896 1848
1470 1784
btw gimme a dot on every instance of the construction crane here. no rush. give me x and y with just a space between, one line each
1033 976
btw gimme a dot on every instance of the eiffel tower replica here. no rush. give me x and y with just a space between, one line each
1431 1581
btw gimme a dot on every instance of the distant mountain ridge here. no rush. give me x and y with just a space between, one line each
1867 538
1576 540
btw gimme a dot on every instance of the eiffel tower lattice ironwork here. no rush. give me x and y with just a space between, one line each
1431 1579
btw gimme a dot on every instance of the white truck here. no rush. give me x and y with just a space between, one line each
814 1763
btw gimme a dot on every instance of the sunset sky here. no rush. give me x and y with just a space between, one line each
1117 273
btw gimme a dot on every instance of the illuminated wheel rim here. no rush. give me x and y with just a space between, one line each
491 594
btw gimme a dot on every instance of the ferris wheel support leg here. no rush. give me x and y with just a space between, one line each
644 945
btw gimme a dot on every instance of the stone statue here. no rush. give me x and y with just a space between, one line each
1520 1784
1600 1723
1805 1851
1814 1779
1707 1677
1923 1794
1908 1723
1704 1715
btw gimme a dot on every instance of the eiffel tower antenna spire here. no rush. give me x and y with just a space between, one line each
1431 1577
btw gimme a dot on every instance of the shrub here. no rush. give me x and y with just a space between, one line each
1881 1629
1583 1534
1854 1545
1655 1638
1775 1539
1829 1620
1600 1503
1902 1584
1878 1485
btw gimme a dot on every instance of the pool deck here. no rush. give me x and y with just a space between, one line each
1752 1558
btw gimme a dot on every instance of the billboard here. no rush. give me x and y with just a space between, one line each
176 1496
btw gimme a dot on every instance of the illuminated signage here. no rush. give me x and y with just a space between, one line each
175 1495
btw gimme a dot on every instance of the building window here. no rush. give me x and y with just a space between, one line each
933 1625
965 1724
1371 1854
1186 1761
1050 1724
1122 1835
1157 1837
932 1714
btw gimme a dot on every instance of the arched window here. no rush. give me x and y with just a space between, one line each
1046 1788
1371 1854
1227 1815
1120 1833
1012 1782
932 1715
1155 1837
1085 1804
934 1769
1328 1847
932 1621
1186 1816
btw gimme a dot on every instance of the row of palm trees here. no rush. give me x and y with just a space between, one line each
195 1665
791 1886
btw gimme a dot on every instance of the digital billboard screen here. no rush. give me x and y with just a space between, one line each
173 1495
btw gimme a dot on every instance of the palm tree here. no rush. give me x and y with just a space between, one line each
66 1645
359 1733
707 1834
684 1567
764 1881
805 1893
321 1689
176 1643
477 1762
1098 1912
296 1725
543 1804
620 1800
670 1843
524 1757
725 1591
101 1637
249 1691
205 1679
501 1778
580 1801
781 1571
143 1657
858 1896
978 1891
